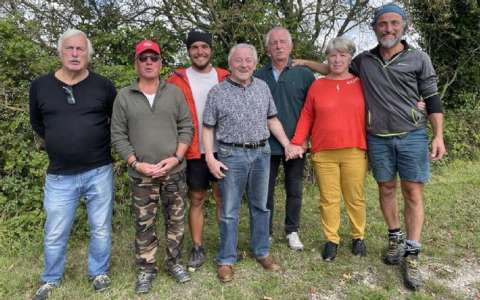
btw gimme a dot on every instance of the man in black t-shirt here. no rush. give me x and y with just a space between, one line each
71 109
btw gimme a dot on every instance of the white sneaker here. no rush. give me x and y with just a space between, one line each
294 241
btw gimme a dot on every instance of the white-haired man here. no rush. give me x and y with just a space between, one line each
70 109
289 86
239 114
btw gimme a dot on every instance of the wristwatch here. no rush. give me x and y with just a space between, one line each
180 159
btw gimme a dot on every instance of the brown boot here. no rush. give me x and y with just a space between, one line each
268 264
225 273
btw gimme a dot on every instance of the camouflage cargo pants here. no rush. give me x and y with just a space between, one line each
147 193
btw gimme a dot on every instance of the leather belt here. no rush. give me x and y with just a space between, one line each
250 145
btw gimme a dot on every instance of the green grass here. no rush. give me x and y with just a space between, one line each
451 250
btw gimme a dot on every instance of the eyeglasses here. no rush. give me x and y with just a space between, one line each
69 92
153 57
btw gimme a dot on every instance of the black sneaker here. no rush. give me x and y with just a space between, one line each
144 282
179 273
101 282
329 251
395 250
359 248
44 291
412 277
197 258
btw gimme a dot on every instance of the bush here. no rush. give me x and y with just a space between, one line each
462 137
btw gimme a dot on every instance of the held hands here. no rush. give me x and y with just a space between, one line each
216 167
293 151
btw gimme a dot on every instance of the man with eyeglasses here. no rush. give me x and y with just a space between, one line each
152 130
70 110
195 82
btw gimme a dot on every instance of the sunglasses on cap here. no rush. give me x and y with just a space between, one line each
69 92
144 57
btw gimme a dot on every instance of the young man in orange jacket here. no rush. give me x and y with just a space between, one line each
195 82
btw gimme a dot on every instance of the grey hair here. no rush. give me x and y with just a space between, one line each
277 28
73 32
242 46
341 44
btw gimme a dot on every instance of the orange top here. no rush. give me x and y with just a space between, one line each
179 78
334 115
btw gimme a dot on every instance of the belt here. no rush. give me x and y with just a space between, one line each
250 145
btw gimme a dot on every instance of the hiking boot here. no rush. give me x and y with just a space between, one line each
44 291
329 251
197 258
268 264
359 248
395 251
412 277
294 241
225 273
144 282
101 282
178 272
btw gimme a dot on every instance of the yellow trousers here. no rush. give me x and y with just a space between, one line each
341 172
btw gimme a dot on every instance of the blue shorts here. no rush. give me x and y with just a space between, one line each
406 154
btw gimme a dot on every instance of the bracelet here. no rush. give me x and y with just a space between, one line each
134 164
180 159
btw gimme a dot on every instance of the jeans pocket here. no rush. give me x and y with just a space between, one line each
224 151
266 149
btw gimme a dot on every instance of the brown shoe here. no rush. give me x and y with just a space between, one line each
225 273
268 264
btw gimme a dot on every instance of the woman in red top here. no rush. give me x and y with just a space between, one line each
334 117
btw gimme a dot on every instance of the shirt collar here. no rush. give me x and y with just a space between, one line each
238 84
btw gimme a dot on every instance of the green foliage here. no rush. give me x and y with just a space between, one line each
21 58
462 137
450 33
22 169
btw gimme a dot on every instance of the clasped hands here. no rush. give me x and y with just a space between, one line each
159 169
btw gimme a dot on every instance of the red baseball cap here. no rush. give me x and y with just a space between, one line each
146 45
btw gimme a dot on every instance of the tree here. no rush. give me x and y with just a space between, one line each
311 23
450 33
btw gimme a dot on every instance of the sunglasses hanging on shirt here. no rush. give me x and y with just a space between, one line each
69 92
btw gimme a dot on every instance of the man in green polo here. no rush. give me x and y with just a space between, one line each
289 86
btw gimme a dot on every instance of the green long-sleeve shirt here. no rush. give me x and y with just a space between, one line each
151 133
289 94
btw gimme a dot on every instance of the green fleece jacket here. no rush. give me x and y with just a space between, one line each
151 133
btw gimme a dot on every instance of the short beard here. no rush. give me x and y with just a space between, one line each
201 67
389 43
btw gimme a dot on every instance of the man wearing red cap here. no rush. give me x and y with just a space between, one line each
195 83
151 130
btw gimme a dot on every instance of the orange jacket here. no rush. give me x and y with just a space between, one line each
179 78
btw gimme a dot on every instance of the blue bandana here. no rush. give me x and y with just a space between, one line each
388 8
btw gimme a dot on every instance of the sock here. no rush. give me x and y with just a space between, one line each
412 247
394 233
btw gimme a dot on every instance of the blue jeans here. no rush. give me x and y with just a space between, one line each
248 171
406 154
61 199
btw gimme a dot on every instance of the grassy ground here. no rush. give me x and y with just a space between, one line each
450 260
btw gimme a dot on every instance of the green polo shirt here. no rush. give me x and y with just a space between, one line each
289 94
